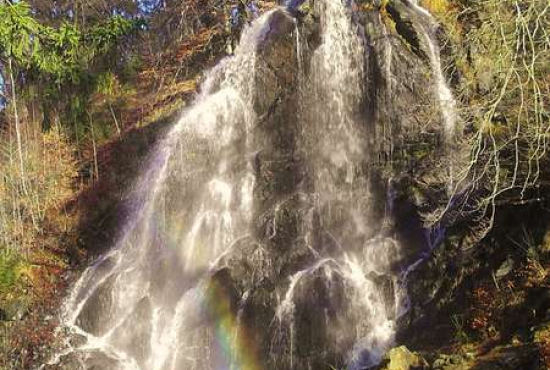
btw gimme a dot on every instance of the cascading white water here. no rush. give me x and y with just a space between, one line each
447 102
337 145
142 306
174 233
338 85
339 75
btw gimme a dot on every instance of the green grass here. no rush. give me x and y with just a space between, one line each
10 263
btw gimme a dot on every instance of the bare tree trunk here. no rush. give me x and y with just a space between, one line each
96 167
17 128
20 144
114 118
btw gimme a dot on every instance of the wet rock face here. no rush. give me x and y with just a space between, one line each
95 316
137 343
320 314
288 235
405 123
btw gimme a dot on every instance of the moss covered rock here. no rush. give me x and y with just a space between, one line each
401 358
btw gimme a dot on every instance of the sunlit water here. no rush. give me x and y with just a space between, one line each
443 92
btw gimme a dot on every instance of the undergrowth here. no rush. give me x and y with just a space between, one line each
10 263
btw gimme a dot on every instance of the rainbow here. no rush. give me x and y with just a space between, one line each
238 349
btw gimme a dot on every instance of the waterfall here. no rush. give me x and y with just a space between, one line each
167 296
174 237
339 150
337 81
447 102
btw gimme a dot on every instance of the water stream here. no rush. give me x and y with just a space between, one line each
447 101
